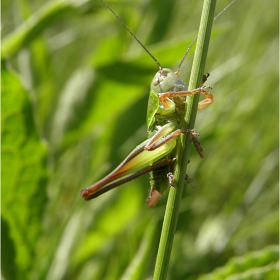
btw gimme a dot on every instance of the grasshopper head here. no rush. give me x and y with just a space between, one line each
166 80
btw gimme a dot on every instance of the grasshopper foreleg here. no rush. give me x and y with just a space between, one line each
209 98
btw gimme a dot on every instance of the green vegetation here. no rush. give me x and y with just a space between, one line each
79 108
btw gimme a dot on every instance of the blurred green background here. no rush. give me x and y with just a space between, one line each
74 94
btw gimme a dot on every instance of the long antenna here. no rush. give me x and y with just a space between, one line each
120 20
194 40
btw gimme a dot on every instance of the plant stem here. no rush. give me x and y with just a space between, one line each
183 146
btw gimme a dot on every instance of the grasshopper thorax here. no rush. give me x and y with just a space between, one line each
166 80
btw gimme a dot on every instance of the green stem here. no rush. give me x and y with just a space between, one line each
175 193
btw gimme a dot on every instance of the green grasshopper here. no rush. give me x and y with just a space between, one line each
156 155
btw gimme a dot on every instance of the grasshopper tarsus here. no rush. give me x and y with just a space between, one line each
205 77
189 181
170 177
198 146
191 132
204 88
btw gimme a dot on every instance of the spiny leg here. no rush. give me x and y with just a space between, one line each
172 94
198 146
209 98
155 143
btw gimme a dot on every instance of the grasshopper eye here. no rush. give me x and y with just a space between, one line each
160 76
156 81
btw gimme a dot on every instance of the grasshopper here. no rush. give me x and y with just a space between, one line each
156 155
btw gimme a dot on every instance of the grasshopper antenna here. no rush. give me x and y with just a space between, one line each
120 20
224 9
194 40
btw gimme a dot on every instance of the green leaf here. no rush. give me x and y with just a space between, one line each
261 264
23 176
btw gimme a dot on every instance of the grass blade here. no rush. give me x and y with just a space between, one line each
175 194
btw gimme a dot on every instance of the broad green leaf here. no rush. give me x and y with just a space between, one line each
23 176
